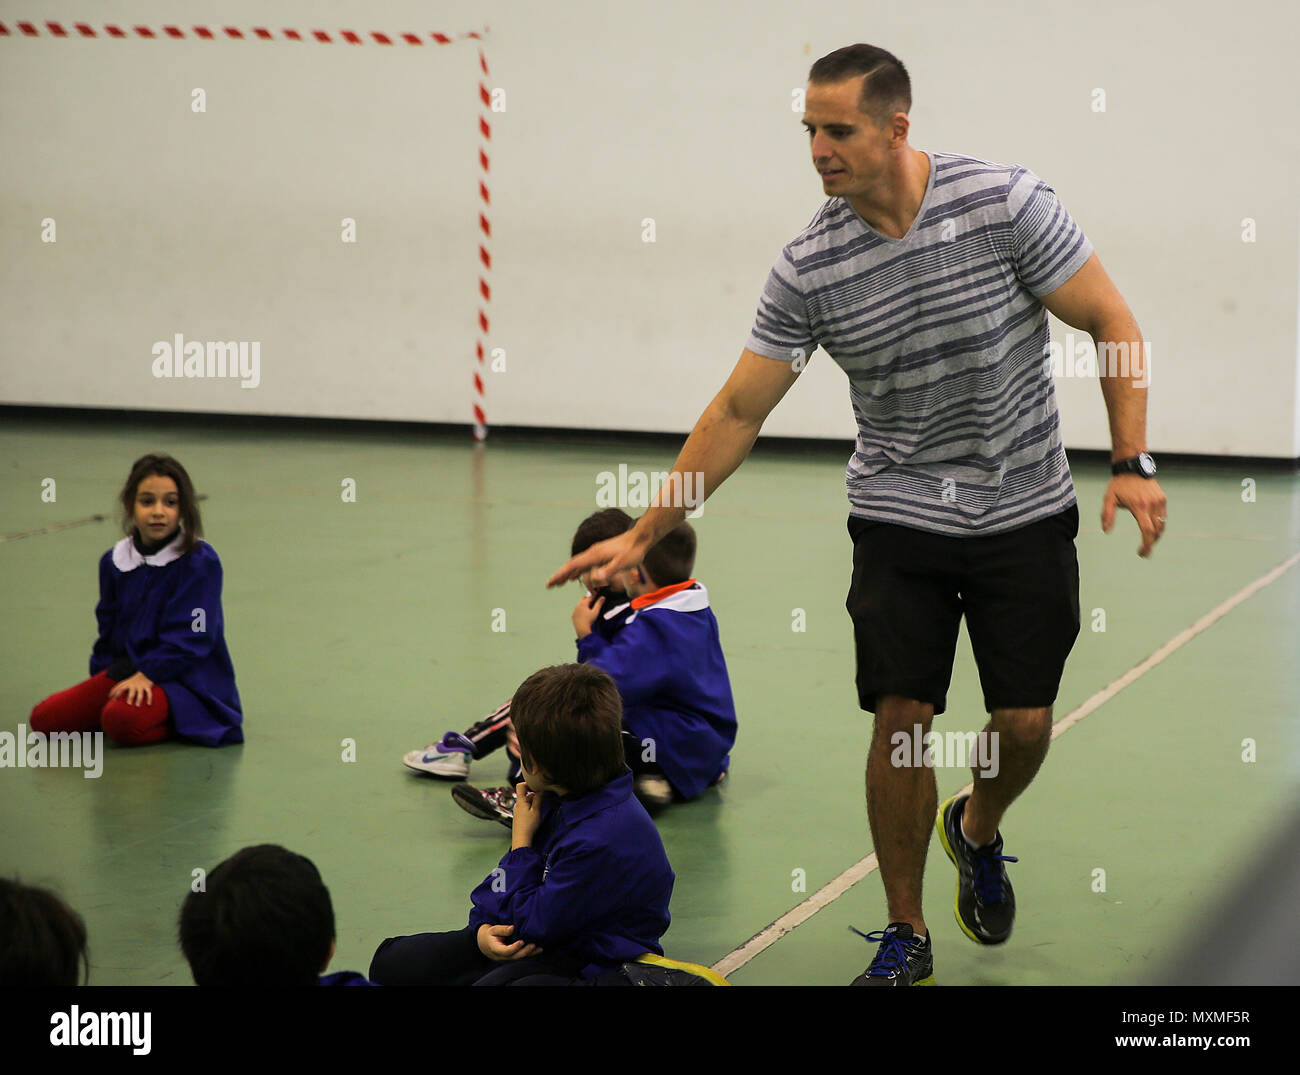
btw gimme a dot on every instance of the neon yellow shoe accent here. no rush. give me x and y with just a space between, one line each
709 975
947 849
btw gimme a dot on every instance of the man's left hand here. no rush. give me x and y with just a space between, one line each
1144 498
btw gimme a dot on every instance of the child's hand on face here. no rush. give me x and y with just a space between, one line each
528 816
585 613
493 944
137 688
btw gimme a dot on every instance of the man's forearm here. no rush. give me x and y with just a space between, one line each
1122 366
716 447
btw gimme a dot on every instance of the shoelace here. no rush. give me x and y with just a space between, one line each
988 876
892 957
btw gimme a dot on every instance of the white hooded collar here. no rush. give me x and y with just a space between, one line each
126 557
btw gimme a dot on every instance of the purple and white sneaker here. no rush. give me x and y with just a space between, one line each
447 760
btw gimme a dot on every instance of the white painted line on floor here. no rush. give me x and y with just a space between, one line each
833 890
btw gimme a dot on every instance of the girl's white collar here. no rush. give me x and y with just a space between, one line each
126 557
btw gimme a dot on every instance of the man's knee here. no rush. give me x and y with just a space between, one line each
901 723
1023 727
894 712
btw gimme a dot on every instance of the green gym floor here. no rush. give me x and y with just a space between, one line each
373 621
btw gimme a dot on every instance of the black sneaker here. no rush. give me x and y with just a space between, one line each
651 969
900 960
985 905
491 804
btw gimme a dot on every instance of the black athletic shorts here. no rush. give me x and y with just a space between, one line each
1019 591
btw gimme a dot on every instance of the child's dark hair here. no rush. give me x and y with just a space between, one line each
42 939
671 559
569 720
264 918
163 466
600 526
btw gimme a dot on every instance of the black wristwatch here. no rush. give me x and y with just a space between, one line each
1141 464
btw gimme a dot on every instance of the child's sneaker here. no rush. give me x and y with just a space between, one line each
900 960
448 759
653 790
651 969
491 804
985 905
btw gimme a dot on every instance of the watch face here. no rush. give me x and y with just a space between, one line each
1146 464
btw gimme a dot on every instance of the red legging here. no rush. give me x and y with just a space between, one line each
86 708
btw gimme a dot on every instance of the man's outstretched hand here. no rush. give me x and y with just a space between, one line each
1144 498
604 560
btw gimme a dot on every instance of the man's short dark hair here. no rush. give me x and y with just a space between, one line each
671 559
569 720
42 939
600 526
264 918
886 89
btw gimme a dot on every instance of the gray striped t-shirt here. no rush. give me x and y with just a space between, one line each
944 342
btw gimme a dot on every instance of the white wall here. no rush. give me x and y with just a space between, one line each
226 225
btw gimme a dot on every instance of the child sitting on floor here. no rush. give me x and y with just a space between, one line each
450 757
679 716
667 660
586 884
160 667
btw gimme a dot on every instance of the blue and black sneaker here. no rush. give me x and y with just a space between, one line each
900 960
985 905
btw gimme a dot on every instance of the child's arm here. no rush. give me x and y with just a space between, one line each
101 654
547 901
552 909
494 942
191 622
489 898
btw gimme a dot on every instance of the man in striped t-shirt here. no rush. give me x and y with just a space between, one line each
943 337
927 277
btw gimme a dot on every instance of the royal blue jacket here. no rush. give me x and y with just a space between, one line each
162 612
667 662
594 886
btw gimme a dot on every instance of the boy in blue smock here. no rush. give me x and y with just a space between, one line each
666 658
586 884
667 661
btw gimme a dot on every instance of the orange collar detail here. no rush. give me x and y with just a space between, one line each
655 596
